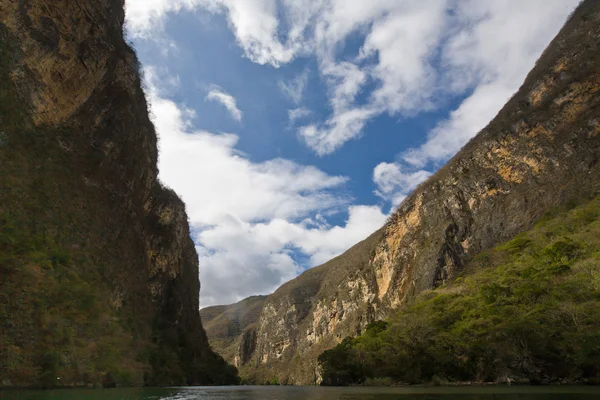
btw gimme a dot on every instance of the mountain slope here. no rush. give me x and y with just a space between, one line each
98 274
527 311
227 326
541 151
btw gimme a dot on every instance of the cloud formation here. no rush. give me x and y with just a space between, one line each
239 259
226 100
299 113
393 184
413 53
249 219
294 89
489 52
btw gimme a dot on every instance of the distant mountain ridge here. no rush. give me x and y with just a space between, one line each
228 326
541 151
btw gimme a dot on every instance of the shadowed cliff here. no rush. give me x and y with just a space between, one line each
98 274
540 152
229 326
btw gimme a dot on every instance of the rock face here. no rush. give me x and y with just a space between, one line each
541 151
232 329
98 274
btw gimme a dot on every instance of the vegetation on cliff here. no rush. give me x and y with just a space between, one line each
55 320
231 328
527 310
85 227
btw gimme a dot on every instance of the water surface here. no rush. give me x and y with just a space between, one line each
312 393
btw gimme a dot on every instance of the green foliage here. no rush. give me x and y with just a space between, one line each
225 325
60 324
519 243
272 381
527 310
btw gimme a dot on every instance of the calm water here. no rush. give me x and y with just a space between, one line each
312 393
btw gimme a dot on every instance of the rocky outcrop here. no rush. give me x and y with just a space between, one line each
231 329
541 151
99 276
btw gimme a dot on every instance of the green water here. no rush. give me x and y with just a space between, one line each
313 393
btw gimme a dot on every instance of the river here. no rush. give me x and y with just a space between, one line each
312 393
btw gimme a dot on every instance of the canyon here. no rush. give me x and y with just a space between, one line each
540 152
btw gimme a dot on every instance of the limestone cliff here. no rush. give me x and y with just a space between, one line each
541 151
98 274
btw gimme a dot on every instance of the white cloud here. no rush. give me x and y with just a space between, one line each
393 184
239 259
412 53
324 244
294 89
469 118
226 100
345 81
491 49
404 42
393 55
251 218
342 127
298 113
254 23
145 17
248 217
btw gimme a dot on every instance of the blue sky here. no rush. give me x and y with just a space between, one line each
292 128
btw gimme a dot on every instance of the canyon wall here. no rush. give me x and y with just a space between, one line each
541 151
99 277
227 327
